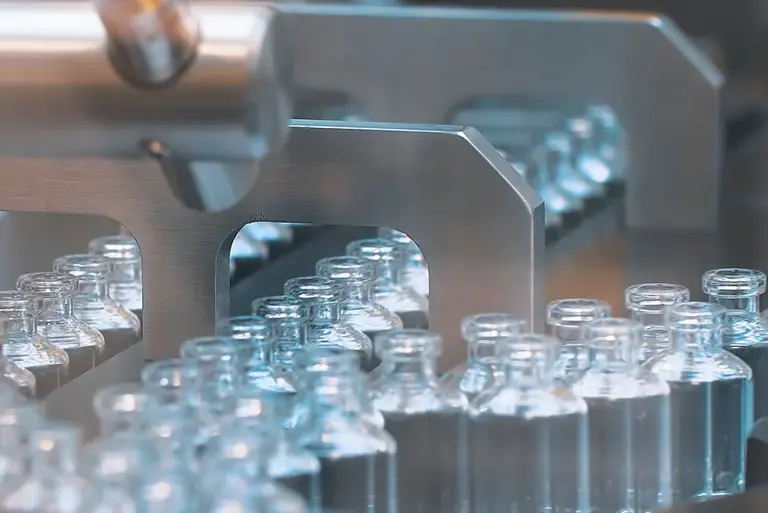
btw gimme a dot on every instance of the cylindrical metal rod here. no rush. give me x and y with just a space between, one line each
61 96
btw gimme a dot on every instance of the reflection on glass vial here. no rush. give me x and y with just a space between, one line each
416 272
125 279
528 436
629 421
284 318
711 404
647 303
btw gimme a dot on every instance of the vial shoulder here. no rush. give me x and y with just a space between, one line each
390 396
338 436
620 385
714 367
506 401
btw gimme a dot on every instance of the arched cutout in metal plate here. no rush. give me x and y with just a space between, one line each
479 224
416 64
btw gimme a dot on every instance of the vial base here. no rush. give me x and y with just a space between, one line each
629 454
358 484
529 465
116 341
756 356
431 446
306 485
709 433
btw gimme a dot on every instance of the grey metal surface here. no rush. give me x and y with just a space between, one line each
477 221
60 97
418 65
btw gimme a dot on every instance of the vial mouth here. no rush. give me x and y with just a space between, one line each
208 349
733 282
375 249
491 326
243 327
83 266
124 398
277 308
116 248
16 301
694 316
408 344
313 289
47 285
347 269
575 312
654 298
612 331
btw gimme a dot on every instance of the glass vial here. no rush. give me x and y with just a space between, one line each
482 371
629 421
427 422
744 333
24 347
565 319
647 304
357 459
285 320
125 279
415 272
53 484
356 276
123 408
17 418
711 398
54 293
92 304
528 436
251 334
114 469
166 380
388 290
320 298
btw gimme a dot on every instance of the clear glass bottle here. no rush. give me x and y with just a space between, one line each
388 289
482 332
125 279
24 347
543 178
356 276
53 484
560 155
251 334
711 404
647 303
114 469
357 458
289 465
92 304
586 157
427 422
528 435
167 483
166 380
609 139
320 298
565 319
123 408
17 419
415 273
284 316
629 421
744 332
53 293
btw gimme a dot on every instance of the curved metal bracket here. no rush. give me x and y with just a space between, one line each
479 224
417 64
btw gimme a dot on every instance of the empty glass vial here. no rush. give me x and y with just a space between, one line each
415 272
123 408
125 279
609 139
285 320
166 380
24 347
288 464
744 332
388 290
167 484
586 156
482 332
114 469
629 424
251 334
357 459
53 484
53 293
427 422
528 436
647 303
356 276
570 178
711 404
565 319
17 419
92 304
320 298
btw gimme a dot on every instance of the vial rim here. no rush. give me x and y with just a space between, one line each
733 282
654 297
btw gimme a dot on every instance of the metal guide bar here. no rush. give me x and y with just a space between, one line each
479 224
418 64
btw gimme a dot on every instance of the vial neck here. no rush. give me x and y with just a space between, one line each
358 293
566 333
320 313
336 392
529 373
285 330
413 370
125 273
387 274
614 360
649 319
749 304
92 289
482 351
702 342
14 323
56 306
